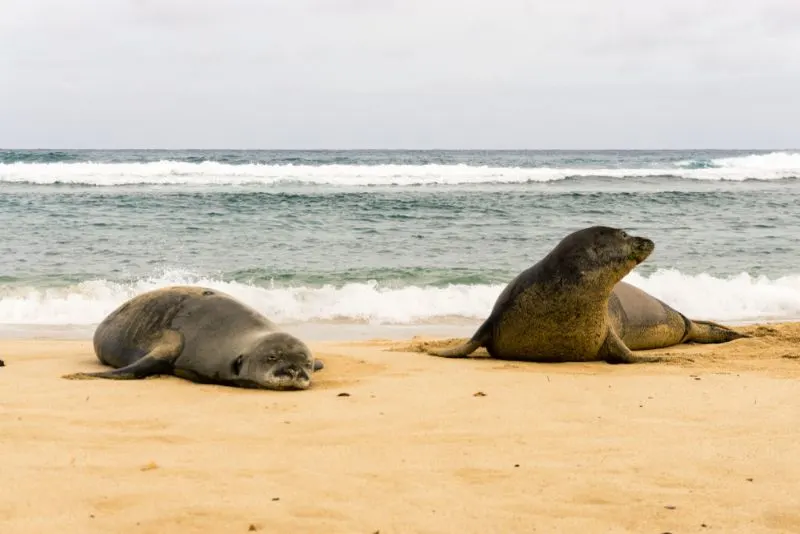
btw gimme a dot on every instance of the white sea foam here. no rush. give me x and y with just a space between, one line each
742 298
774 166
774 161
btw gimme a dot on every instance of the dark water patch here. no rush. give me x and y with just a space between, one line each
38 156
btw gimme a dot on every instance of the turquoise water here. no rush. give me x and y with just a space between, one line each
392 238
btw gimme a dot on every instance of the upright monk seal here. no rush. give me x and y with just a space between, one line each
202 335
571 306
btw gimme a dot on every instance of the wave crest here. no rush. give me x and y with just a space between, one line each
775 166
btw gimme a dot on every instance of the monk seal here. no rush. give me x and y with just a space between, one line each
202 335
570 307
644 322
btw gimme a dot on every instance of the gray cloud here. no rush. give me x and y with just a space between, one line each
412 73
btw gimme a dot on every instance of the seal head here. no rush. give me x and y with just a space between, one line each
600 255
277 361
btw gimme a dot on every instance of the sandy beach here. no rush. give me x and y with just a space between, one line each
391 440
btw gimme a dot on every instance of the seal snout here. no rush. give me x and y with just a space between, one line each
642 248
291 371
288 375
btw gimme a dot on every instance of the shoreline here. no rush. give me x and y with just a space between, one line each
321 331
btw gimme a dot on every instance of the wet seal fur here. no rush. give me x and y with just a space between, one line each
202 335
573 306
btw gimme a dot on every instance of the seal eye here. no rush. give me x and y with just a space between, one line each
236 365
623 233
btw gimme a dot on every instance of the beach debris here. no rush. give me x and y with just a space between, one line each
252 528
749 479
149 467
516 465
343 394
670 507
479 394
276 498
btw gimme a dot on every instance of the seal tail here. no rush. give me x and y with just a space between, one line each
710 332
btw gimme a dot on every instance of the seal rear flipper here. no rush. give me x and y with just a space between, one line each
710 332
614 351
147 366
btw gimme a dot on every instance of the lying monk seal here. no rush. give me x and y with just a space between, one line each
566 307
644 322
202 335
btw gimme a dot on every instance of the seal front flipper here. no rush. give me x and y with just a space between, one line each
479 339
461 351
144 367
614 351
318 365
159 360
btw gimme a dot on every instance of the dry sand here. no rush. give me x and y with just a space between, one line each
707 443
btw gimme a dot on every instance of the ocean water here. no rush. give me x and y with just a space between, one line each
385 242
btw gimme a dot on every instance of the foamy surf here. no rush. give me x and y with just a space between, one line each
774 166
742 298
786 162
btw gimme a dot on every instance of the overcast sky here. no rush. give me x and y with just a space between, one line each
400 74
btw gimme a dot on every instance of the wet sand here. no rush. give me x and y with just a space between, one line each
708 442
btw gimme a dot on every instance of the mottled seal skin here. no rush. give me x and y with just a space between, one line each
202 335
644 322
558 310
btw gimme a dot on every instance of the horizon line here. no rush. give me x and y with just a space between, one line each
779 149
